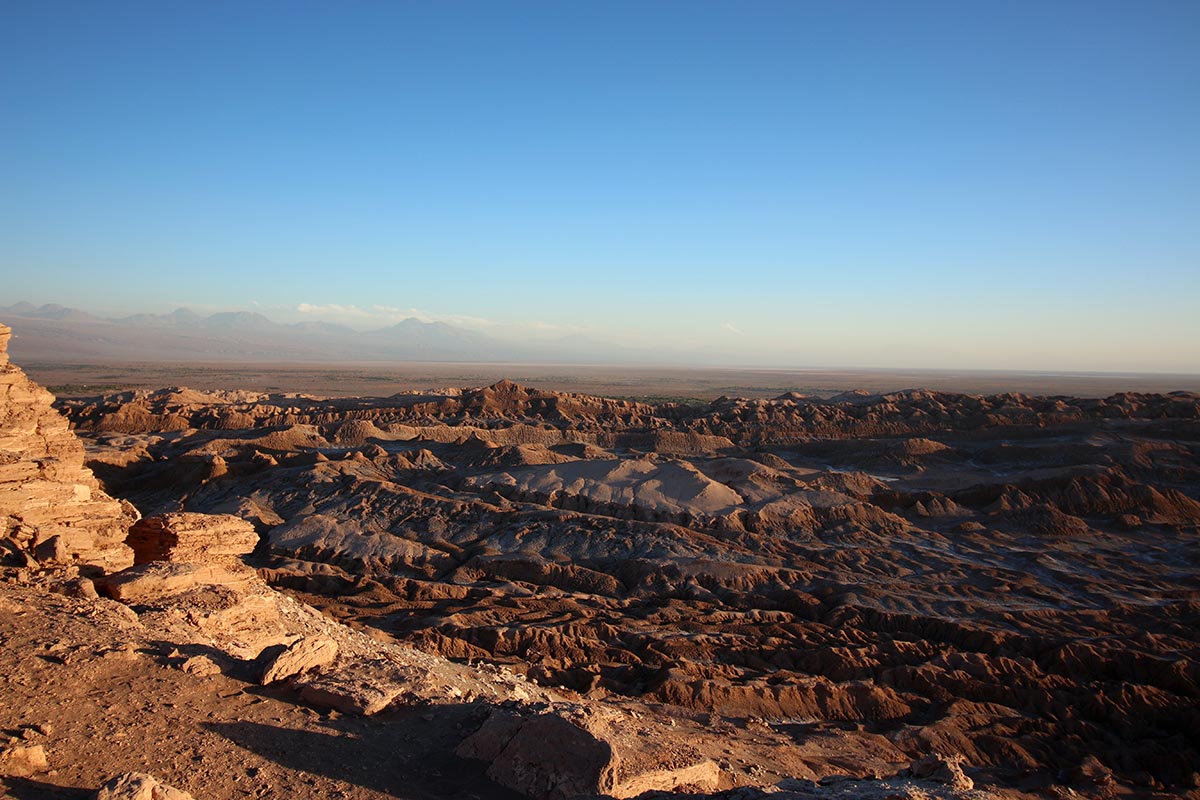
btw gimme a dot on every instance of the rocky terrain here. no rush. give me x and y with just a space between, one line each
142 659
908 595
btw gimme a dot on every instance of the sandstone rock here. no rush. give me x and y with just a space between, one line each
303 656
189 537
147 582
200 665
82 588
21 762
577 764
226 606
351 693
590 756
487 743
139 786
50 503
942 769
54 549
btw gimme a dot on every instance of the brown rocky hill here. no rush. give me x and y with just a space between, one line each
1009 578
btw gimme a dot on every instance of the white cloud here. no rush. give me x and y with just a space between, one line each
332 310
377 315
729 326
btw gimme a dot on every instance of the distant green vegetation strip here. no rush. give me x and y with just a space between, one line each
85 389
659 399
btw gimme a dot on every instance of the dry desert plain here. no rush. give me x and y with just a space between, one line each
641 382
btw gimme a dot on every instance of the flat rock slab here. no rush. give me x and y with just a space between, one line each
148 582
353 689
139 786
554 756
303 656
191 537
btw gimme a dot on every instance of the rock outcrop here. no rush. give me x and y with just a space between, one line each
51 506
594 752
300 657
191 538
139 786
158 579
22 761
1003 577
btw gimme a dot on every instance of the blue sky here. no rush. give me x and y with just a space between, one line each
932 184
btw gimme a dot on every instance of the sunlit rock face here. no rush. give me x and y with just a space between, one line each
51 506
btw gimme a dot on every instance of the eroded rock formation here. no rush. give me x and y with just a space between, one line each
800 588
191 538
1007 578
190 592
51 506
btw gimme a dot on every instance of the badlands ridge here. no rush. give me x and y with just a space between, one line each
503 592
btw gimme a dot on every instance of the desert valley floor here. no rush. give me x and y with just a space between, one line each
804 588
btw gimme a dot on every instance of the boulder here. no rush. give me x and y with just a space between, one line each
191 538
139 786
302 656
347 695
21 761
81 588
593 753
155 580
200 665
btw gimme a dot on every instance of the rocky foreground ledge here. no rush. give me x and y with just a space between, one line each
214 684
148 660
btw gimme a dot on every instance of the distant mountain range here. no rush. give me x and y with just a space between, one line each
57 333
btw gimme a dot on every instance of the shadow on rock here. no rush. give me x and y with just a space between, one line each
408 753
30 789
200 659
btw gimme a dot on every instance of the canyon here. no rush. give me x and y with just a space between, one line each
839 595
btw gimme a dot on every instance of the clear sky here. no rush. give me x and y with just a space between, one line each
922 184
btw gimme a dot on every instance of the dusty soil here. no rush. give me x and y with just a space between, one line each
116 701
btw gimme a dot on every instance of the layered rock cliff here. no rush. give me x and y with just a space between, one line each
51 506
